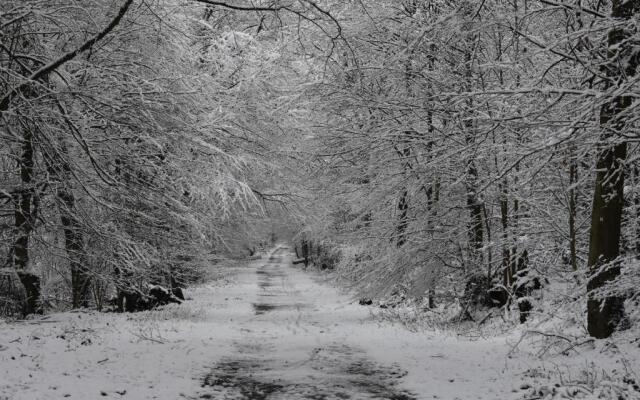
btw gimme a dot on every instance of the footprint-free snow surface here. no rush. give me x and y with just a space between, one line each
267 330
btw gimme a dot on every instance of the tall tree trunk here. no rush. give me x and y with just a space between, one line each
515 259
405 153
403 202
503 189
74 246
474 203
507 276
25 210
403 218
605 314
514 222
57 161
73 237
432 188
573 179
636 208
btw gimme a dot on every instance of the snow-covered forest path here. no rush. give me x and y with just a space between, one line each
299 338
268 330
297 344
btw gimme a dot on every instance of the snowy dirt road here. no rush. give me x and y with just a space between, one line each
298 337
268 330
293 349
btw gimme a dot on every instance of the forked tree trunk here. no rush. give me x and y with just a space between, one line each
605 314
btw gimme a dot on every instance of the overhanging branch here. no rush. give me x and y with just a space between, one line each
574 8
285 7
240 8
52 66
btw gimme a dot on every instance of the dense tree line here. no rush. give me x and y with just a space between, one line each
482 147
474 149
127 157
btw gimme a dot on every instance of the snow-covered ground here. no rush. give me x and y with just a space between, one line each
272 331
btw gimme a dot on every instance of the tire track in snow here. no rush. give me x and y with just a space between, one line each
307 366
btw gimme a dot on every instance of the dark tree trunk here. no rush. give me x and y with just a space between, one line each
514 224
507 276
73 238
31 283
74 245
636 204
523 286
573 179
403 210
405 154
605 314
25 206
474 205
474 202
305 252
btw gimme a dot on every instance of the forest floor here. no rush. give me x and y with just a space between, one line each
269 330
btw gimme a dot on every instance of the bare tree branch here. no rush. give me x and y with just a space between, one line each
240 8
574 8
47 69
